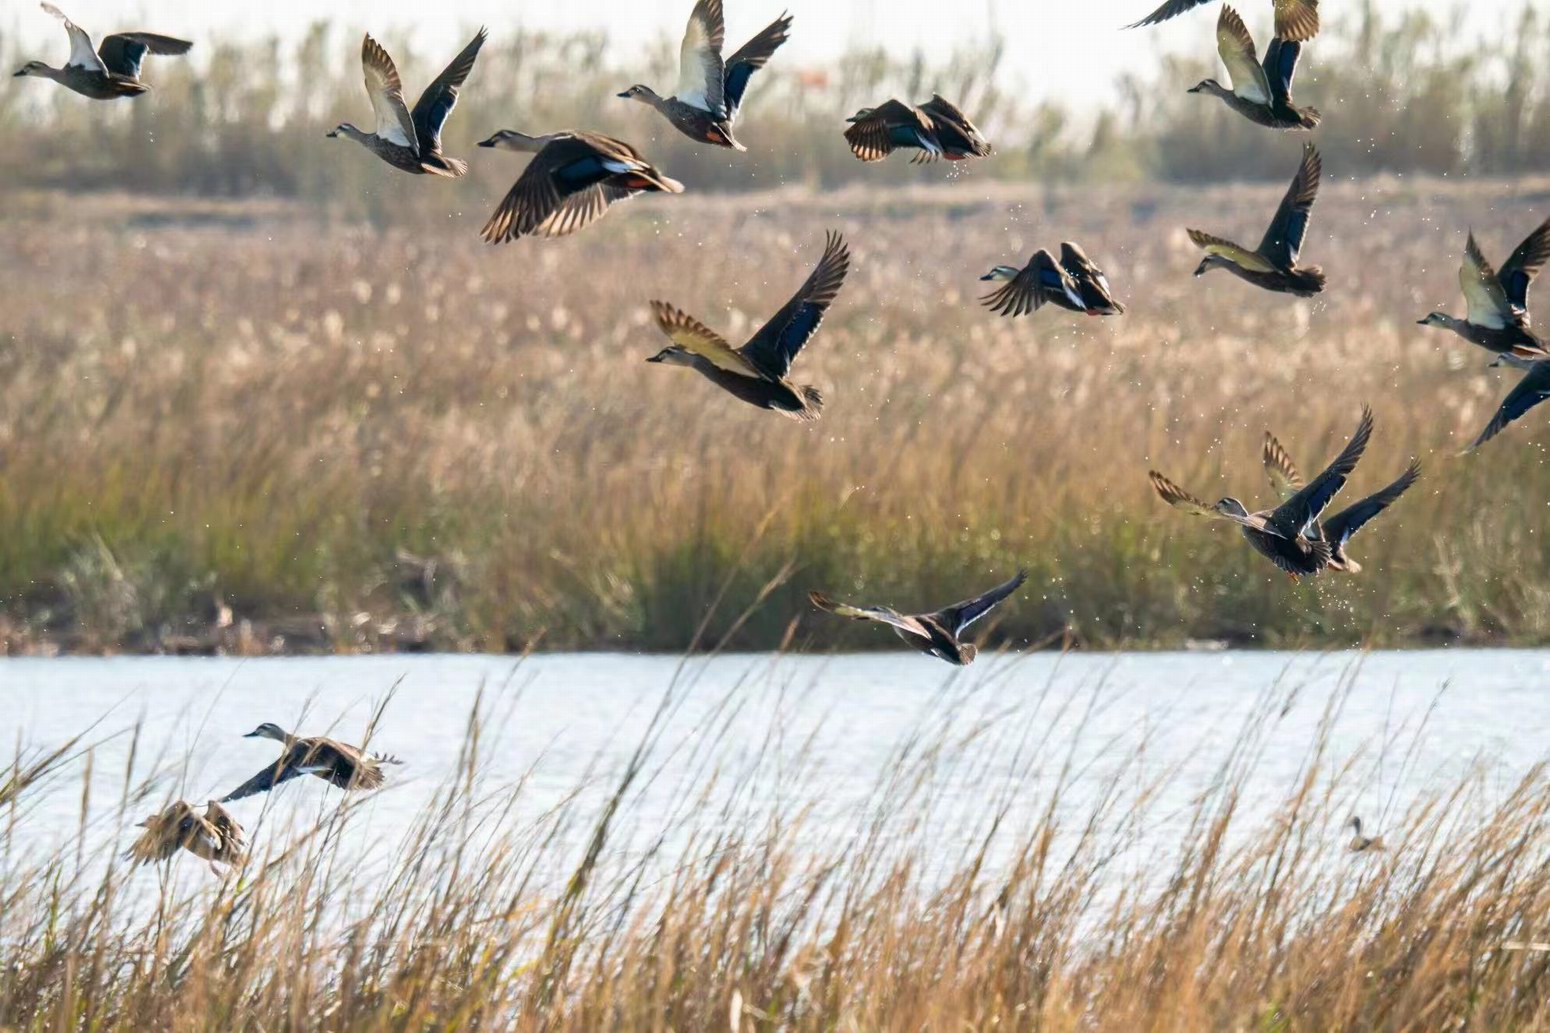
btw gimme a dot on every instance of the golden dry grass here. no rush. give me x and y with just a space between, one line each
365 438
487 915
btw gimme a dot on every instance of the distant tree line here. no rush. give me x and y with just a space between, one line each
1400 94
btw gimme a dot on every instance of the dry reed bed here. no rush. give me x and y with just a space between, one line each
407 437
488 916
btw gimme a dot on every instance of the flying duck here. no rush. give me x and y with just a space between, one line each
339 764
1297 21
938 634
1340 528
1286 535
710 90
1261 93
757 371
572 180
875 133
411 140
1273 265
215 836
1029 288
1531 390
1074 283
1498 318
110 71
957 137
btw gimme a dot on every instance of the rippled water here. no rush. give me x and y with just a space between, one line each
826 732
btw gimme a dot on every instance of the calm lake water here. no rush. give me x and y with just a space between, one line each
826 733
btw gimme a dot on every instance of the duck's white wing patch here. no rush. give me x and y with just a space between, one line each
394 123
701 70
82 53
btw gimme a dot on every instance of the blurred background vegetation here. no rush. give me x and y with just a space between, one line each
248 118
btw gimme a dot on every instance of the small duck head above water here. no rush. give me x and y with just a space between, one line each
1002 274
268 730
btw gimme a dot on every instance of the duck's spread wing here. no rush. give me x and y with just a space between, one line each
701 73
775 346
1531 390
694 336
440 97
386 91
879 614
960 615
1340 527
1236 46
279 772
1297 20
1483 291
122 52
581 209
751 57
1281 68
1283 240
221 820
82 54
1294 515
1519 271
1285 481
1180 499
1171 9
1237 254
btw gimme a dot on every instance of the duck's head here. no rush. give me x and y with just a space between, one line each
344 129
1231 507
1434 319
511 140
1211 261
267 731
644 94
673 355
1001 274
1356 824
862 114
1208 86
31 68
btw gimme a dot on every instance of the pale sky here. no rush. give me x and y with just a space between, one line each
1070 50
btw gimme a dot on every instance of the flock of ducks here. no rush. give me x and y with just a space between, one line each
574 177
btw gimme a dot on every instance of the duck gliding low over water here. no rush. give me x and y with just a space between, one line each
107 72
938 634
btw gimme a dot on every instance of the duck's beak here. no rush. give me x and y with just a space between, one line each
625 95
1422 322
655 358
487 143
252 735
18 75
1200 270
332 133
988 276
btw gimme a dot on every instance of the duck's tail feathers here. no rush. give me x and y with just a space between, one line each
452 168
1309 281
812 407
1311 117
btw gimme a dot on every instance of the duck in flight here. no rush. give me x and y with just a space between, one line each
1273 265
106 72
1075 283
1261 93
710 90
758 372
337 763
938 634
1338 529
935 129
1295 20
572 181
1497 318
1360 843
214 836
411 140
1288 535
